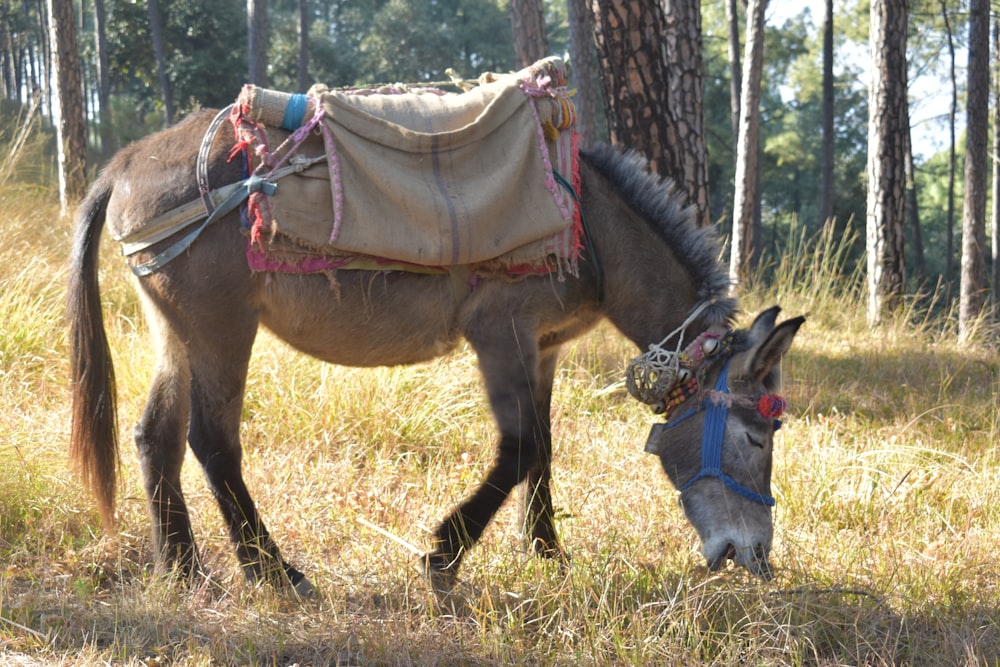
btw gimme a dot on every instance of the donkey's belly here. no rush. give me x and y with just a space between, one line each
362 318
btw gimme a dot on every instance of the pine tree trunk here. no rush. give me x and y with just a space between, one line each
735 71
160 53
302 72
584 74
628 35
949 269
650 57
257 42
527 19
8 70
911 206
995 282
887 141
742 256
972 298
71 141
103 81
826 195
687 151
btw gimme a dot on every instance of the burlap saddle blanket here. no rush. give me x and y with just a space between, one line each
416 177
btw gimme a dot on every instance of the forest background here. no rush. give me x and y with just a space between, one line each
203 63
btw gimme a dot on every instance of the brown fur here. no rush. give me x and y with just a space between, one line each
206 305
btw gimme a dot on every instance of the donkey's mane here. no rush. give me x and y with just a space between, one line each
661 204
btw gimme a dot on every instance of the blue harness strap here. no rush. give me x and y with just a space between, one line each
712 437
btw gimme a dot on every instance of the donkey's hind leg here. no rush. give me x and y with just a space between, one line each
159 438
218 380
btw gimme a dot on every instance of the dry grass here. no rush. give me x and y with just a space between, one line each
886 528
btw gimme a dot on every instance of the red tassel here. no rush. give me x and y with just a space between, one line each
771 406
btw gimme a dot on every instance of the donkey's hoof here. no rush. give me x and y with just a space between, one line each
304 590
441 577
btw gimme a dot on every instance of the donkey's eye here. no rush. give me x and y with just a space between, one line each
755 442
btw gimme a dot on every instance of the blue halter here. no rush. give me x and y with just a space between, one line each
712 437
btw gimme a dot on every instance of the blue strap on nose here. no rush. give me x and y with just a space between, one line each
712 436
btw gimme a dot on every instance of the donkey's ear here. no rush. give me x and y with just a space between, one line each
763 324
766 357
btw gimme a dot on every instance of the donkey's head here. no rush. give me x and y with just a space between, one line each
732 411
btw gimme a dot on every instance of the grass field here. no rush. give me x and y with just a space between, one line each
887 527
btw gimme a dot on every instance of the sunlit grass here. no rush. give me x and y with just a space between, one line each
886 474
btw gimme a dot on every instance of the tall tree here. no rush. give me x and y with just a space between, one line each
527 19
627 35
887 141
995 282
919 266
257 40
581 48
826 192
973 281
952 157
650 57
71 140
103 80
686 102
160 53
745 249
302 69
735 71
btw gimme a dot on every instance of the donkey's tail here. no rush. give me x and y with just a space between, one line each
94 430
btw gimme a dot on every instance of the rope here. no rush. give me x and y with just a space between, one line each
201 166
651 376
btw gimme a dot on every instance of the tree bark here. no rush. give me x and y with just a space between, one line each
742 256
686 103
71 141
257 38
628 35
9 88
911 205
995 282
302 74
887 141
651 69
826 194
160 53
527 19
735 71
973 294
949 268
103 82
581 48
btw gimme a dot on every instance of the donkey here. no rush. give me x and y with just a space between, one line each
647 268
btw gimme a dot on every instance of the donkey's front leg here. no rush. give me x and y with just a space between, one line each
509 365
536 494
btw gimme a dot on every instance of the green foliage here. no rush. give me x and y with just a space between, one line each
417 41
932 194
205 45
350 43
791 111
